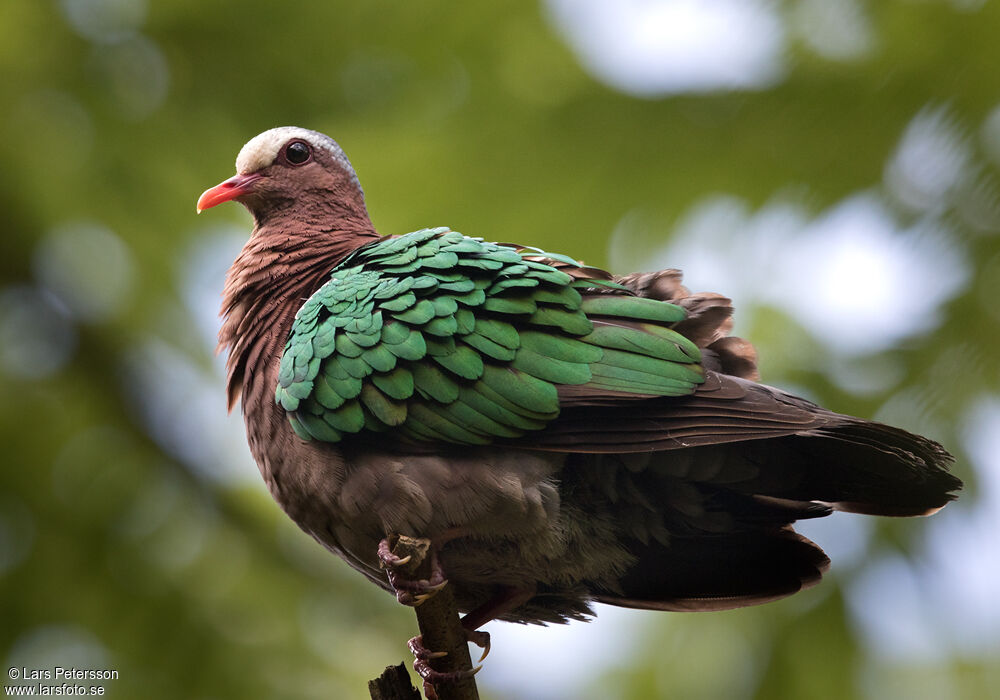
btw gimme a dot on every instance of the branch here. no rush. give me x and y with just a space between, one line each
393 684
439 623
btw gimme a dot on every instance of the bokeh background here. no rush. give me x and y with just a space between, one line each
832 165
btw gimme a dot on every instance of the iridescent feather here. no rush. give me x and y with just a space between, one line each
426 332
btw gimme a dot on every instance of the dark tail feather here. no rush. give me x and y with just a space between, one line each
718 572
864 467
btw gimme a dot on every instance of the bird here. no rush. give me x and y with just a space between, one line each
561 435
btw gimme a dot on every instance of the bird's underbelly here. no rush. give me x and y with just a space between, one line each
498 500
499 513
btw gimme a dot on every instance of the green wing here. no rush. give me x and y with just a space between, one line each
440 337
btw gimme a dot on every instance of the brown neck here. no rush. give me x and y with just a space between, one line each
312 208
278 269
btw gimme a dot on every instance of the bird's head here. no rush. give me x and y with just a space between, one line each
286 166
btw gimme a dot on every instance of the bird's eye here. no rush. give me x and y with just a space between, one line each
297 153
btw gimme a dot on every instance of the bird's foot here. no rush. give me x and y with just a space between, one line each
422 657
409 591
480 639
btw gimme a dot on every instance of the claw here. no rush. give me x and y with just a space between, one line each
480 639
422 656
432 677
429 592
421 652
411 592
387 559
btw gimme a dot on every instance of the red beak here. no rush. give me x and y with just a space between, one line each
226 191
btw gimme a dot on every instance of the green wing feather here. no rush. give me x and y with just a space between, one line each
439 336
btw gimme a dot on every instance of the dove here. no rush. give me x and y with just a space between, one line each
561 435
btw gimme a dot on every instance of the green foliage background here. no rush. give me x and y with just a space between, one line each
115 552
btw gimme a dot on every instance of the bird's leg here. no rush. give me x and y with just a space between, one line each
506 599
411 591
416 591
421 664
